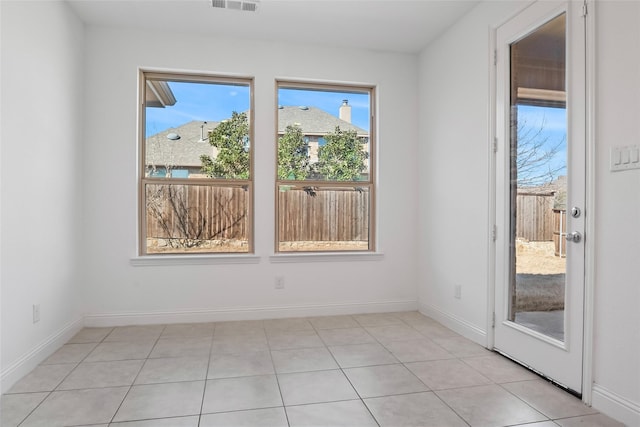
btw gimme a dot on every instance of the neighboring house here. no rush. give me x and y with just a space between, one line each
181 156
316 123
179 150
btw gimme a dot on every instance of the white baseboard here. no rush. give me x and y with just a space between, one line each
615 406
245 313
30 360
456 324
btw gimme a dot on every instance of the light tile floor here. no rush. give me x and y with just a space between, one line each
387 369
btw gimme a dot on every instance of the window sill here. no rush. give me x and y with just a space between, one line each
167 260
326 257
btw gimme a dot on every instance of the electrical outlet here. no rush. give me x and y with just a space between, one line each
457 292
279 282
36 313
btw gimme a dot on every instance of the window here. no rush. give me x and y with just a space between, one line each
196 167
325 174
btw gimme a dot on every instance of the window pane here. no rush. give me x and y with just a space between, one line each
185 218
197 130
539 179
323 134
323 218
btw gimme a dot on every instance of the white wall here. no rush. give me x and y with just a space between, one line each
117 289
617 287
454 172
454 117
42 44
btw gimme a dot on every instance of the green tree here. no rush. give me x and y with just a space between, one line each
293 157
342 158
231 138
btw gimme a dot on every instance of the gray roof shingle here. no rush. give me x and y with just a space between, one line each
187 150
313 121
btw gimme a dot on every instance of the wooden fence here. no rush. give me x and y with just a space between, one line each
534 216
196 212
330 214
538 220
208 212
560 231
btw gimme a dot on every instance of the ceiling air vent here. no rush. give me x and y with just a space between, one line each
244 5
249 6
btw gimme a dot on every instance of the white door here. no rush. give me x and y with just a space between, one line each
540 190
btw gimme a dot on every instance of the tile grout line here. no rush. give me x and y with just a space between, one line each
49 393
403 364
206 375
275 373
456 357
137 375
524 401
34 409
347 377
426 385
460 358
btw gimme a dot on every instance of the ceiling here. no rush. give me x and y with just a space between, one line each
388 25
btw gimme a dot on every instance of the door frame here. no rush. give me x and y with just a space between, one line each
590 194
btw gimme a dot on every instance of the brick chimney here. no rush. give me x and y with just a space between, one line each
345 111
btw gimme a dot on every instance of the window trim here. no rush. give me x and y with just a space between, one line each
318 256
371 183
190 77
193 259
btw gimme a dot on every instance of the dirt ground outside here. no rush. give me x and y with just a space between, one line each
163 246
540 277
323 246
538 258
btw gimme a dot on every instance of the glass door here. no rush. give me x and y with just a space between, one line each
538 181
540 191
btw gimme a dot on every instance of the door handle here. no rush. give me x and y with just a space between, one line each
574 237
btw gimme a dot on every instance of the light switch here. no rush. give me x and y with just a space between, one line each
624 158
616 156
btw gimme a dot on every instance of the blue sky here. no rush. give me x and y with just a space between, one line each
554 127
197 101
216 102
329 102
